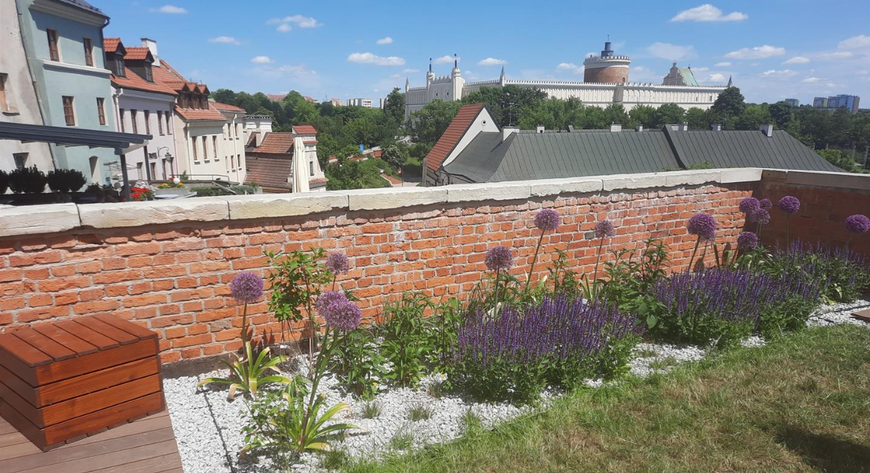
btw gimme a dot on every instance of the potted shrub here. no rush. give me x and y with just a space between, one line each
4 182
66 180
27 181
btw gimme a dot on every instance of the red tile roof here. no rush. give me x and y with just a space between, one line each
137 53
271 173
463 119
167 73
276 97
228 107
110 45
133 81
276 143
304 130
191 114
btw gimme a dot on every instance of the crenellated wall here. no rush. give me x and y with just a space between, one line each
166 265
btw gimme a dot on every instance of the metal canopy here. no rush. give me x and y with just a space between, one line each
72 136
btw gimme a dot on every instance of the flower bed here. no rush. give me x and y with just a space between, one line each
430 370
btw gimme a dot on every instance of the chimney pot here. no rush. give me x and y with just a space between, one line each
539 129
716 127
615 127
639 128
767 129
152 46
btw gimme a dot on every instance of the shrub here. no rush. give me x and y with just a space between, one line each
842 273
358 362
561 340
27 181
4 181
66 180
406 340
630 274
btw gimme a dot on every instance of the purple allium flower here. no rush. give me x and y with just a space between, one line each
749 205
338 312
499 258
337 263
547 220
857 223
604 229
747 241
246 287
760 216
789 204
765 204
703 225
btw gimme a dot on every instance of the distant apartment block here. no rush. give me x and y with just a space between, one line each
359 102
336 102
849 102
793 102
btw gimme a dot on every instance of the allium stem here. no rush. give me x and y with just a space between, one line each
787 238
245 325
497 274
534 260
697 242
597 260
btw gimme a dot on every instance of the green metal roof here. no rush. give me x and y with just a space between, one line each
688 76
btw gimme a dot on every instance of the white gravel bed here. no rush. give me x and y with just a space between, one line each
208 427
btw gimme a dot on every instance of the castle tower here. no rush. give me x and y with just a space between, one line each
458 82
606 68
430 76
501 79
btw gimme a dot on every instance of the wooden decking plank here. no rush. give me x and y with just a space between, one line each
161 464
95 381
111 459
141 426
65 338
95 361
77 451
127 326
114 333
98 401
44 344
94 338
22 351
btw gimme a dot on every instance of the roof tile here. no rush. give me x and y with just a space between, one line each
463 119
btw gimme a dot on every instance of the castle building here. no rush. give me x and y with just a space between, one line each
606 82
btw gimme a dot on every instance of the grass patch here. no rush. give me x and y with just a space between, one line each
801 403
419 412
371 409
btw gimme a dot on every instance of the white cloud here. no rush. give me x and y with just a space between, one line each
171 9
410 71
298 20
369 58
444 60
717 78
261 60
779 74
855 42
722 64
671 52
701 69
811 80
284 28
491 61
568 66
386 40
296 74
707 13
225 39
758 52
797 60
836 55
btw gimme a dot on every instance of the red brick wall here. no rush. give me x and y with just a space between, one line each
821 217
174 278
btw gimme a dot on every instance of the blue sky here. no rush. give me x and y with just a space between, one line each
773 48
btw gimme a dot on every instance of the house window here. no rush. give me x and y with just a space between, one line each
204 148
95 169
153 170
147 122
168 124
239 160
89 51
134 125
121 115
53 52
69 113
195 150
160 122
148 75
139 168
4 103
310 168
101 110
20 160
119 66
214 142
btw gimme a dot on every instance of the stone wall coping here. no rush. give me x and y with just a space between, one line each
38 219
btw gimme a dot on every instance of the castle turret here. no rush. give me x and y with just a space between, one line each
407 84
501 79
430 76
456 72
606 68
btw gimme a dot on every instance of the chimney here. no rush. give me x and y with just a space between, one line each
615 128
570 128
684 126
507 131
539 129
716 127
767 129
152 46
639 128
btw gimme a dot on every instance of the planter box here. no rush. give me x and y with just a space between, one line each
62 380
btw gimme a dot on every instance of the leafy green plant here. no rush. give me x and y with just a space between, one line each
27 181
406 340
403 439
4 182
248 373
564 279
371 409
419 412
65 180
359 363
629 277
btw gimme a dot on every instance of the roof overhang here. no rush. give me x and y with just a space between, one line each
70 136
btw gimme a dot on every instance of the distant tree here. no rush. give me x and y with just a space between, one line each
670 113
432 120
839 159
355 175
752 117
507 103
395 154
395 106
224 96
645 115
698 119
615 114
730 103
782 114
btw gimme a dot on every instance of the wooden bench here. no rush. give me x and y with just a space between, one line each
62 380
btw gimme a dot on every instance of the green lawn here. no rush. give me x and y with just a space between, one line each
801 403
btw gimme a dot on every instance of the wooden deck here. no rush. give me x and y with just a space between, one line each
143 446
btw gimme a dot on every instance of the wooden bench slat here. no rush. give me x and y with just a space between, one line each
141 332
94 381
23 351
101 360
94 338
98 400
19 386
99 326
97 420
45 344
68 340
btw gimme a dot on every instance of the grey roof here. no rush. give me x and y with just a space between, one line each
738 148
529 155
69 136
84 6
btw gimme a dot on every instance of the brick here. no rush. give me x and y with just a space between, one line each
146 299
30 259
61 284
95 306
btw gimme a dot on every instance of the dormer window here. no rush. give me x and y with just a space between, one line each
120 71
148 76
